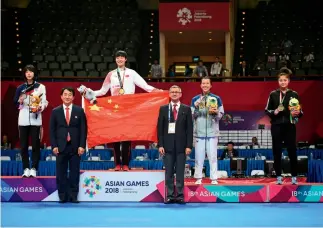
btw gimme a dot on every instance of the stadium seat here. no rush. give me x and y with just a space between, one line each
85 37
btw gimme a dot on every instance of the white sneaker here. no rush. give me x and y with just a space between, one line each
33 172
279 180
199 181
26 173
214 182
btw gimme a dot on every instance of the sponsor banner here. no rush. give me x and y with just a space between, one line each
149 187
295 193
194 16
27 189
94 186
225 194
244 120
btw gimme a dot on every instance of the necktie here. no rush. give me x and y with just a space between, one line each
175 112
67 117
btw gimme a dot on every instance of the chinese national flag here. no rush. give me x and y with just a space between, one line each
124 118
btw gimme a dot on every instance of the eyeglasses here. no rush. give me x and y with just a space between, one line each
175 92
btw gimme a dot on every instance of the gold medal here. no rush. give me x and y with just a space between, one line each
281 107
121 91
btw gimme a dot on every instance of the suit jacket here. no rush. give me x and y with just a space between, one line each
59 128
247 72
183 137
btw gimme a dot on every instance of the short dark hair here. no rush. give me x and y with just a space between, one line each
70 89
206 78
284 71
31 68
121 53
232 143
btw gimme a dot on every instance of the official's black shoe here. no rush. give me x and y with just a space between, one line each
74 200
169 201
62 201
180 201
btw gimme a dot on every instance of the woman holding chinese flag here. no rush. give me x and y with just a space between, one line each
284 110
122 81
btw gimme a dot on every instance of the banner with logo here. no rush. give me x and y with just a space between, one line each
225 194
295 193
150 187
94 186
194 16
244 120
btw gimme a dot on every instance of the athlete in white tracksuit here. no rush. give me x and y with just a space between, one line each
207 110
30 122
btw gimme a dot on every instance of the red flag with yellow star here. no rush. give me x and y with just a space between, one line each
124 118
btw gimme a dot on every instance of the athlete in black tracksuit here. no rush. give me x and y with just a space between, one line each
282 130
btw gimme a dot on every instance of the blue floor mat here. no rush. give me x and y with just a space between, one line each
50 214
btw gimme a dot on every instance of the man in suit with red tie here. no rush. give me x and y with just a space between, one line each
175 141
68 133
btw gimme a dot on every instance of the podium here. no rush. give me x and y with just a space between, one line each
149 186
95 186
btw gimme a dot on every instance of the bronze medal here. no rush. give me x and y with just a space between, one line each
281 107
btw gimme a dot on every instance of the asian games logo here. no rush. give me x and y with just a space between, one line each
92 186
227 119
185 16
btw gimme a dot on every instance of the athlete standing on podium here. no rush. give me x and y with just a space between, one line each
283 123
207 111
122 81
29 120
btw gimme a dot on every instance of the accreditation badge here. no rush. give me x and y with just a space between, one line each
171 128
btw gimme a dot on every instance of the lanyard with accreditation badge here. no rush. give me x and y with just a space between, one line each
171 126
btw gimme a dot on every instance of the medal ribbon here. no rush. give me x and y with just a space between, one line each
119 77
204 100
28 88
281 100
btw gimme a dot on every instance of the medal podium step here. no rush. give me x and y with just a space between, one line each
148 186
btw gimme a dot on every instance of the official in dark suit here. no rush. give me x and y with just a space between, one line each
68 132
175 141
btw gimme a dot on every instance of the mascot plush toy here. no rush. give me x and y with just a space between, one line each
35 103
212 102
294 105
87 94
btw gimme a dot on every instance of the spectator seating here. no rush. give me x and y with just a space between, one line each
298 22
79 38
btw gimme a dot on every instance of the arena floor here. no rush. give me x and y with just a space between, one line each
52 214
